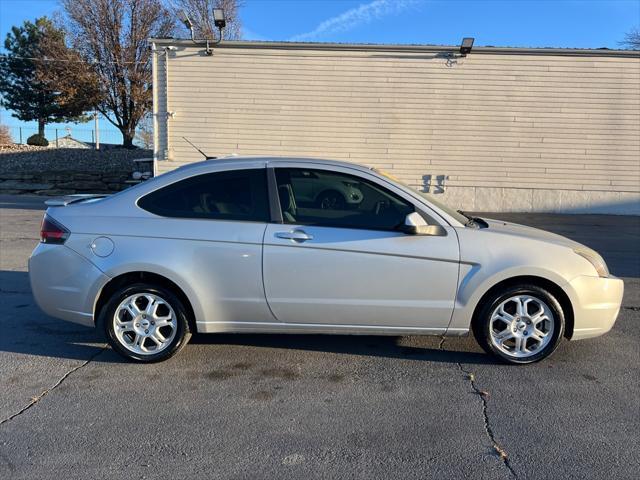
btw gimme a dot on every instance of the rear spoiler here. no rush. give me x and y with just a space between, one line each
69 199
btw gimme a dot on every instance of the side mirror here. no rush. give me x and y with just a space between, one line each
414 224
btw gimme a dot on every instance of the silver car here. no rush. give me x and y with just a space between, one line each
231 246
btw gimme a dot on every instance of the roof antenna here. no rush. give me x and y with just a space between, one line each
207 157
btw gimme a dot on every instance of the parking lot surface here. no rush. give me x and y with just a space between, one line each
285 406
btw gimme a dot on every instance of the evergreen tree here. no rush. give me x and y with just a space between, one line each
23 89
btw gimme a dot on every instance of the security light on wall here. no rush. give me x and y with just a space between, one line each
218 18
466 46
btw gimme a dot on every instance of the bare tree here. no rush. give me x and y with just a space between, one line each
111 36
632 39
201 14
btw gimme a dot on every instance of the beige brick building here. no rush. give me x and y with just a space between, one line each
502 129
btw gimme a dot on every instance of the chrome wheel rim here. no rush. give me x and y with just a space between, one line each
144 324
521 326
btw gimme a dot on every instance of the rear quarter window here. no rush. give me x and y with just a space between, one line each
239 195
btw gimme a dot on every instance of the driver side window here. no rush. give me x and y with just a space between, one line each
330 199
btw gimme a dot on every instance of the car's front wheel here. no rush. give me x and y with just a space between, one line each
522 324
145 323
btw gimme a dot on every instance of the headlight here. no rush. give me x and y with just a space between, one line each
595 260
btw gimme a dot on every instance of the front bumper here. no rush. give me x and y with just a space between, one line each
596 303
65 284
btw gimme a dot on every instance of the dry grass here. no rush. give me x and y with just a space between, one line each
5 135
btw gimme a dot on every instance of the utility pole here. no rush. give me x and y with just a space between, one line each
95 118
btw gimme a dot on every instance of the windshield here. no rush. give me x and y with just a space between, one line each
460 217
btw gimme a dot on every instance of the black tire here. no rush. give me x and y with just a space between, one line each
106 323
331 199
481 325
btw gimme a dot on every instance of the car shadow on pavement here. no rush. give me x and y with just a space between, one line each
29 331
46 337
361 345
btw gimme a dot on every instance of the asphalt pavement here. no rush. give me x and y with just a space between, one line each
312 406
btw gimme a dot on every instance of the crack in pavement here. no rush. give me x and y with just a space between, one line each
501 452
60 381
487 425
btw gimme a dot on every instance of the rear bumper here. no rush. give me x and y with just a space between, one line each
64 284
596 304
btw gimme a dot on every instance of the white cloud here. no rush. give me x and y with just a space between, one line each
365 13
248 34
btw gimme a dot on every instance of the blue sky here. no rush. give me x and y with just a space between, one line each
542 23
522 23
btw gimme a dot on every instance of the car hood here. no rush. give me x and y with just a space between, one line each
517 230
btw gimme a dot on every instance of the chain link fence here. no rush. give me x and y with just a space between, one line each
62 137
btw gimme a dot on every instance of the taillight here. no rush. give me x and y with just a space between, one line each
52 232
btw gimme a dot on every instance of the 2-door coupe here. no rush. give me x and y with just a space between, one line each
309 246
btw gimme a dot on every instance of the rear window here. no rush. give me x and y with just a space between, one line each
231 195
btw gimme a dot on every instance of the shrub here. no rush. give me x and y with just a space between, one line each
37 140
5 135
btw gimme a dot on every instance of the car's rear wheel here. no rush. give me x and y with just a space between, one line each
145 323
522 324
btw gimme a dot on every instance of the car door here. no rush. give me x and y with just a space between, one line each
350 265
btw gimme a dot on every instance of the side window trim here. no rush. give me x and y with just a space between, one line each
274 201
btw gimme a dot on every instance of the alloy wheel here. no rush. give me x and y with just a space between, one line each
144 323
521 326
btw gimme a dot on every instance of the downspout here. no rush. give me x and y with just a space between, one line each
169 113
154 107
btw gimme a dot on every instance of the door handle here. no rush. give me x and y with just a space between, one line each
298 236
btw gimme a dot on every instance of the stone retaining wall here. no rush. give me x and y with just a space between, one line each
64 171
62 183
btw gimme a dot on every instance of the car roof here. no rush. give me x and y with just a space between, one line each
235 160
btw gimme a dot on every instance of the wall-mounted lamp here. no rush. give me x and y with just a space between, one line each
218 19
466 46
